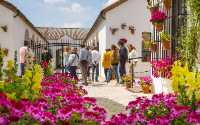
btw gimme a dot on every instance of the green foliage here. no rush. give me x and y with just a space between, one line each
1 64
127 78
146 42
163 36
189 38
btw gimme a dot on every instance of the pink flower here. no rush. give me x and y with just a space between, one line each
142 39
143 35
156 4
149 49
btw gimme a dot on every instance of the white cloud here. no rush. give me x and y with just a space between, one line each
53 1
48 24
73 25
75 7
109 3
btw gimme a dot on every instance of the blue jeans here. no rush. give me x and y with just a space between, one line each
88 72
97 71
22 68
73 72
115 68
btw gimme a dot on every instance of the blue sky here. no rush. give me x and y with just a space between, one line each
61 13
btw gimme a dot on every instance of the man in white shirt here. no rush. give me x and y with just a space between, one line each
96 58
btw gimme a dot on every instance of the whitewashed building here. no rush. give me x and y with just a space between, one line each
133 13
19 29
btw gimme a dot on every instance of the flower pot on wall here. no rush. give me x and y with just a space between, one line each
167 4
159 27
153 10
5 29
113 32
128 84
132 31
122 26
153 47
148 60
6 53
166 44
145 89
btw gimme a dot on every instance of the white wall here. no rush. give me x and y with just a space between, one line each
14 38
132 12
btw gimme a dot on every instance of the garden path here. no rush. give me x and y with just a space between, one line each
113 99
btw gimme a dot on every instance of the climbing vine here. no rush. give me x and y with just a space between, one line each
190 36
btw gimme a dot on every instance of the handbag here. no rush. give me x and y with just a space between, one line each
68 66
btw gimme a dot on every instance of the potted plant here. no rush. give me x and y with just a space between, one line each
148 58
165 39
132 28
6 51
158 19
5 27
152 7
145 84
127 80
123 40
149 43
167 4
123 25
113 30
134 47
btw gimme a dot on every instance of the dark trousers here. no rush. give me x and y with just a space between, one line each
22 68
106 74
122 68
88 72
73 72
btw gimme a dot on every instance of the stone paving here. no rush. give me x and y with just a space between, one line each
113 99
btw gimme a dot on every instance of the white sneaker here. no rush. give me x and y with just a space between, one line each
116 84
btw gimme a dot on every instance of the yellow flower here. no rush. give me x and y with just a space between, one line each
194 85
185 70
190 77
11 96
177 70
2 53
28 74
197 93
34 97
175 84
24 95
27 82
10 64
1 84
177 63
181 80
37 69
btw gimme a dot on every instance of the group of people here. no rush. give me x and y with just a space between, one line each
90 58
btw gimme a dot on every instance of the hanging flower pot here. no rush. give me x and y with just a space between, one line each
6 51
122 26
113 32
5 28
159 27
132 31
166 44
153 9
167 4
145 89
123 40
148 59
153 47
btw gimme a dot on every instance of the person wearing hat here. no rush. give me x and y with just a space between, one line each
106 62
22 55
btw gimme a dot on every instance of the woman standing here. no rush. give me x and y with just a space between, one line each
73 61
132 63
114 61
66 58
90 65
106 62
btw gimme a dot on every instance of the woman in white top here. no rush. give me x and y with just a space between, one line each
73 61
66 57
132 63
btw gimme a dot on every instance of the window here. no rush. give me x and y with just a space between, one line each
146 52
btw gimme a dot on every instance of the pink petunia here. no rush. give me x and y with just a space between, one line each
142 39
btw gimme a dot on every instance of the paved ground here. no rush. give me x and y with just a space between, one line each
113 98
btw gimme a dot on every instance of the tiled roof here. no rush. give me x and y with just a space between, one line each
57 33
102 15
21 15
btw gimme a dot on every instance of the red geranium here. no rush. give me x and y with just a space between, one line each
134 48
44 64
158 17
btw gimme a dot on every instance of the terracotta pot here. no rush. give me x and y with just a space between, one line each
145 89
5 29
167 4
153 10
6 53
122 26
148 60
128 84
10 76
166 44
132 31
159 27
153 47
113 32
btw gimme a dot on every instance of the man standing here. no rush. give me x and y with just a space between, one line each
96 57
106 62
122 59
46 56
22 55
84 63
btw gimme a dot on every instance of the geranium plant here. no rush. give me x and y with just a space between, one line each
158 17
149 4
123 40
145 81
163 36
114 29
6 50
134 47
124 24
148 42
127 78
131 28
4 26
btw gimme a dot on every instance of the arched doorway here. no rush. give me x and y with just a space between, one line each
27 38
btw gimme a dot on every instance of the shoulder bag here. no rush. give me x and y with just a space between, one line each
69 65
